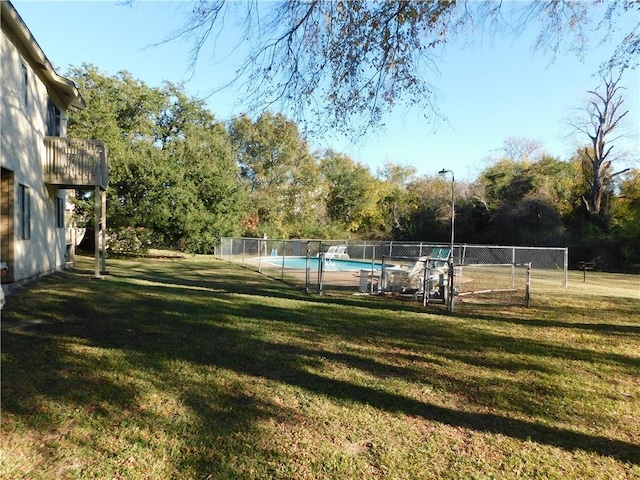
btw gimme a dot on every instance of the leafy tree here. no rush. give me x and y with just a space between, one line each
397 203
118 114
532 220
170 164
556 182
528 202
625 212
626 208
507 181
430 215
282 176
214 201
353 195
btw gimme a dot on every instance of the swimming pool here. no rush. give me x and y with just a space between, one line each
330 264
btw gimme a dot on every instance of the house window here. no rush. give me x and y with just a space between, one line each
24 212
59 212
25 84
53 120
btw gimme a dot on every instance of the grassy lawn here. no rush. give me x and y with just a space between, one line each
195 368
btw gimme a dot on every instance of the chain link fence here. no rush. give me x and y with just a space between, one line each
502 284
425 272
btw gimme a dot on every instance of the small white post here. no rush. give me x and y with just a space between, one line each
96 232
527 294
513 267
103 253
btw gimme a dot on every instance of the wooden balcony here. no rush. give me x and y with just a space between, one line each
75 163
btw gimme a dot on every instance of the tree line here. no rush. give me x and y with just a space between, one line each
183 179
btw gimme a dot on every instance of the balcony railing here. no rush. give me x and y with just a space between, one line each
75 163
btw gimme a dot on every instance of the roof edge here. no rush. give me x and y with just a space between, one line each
66 90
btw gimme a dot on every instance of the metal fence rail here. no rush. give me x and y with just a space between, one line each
480 271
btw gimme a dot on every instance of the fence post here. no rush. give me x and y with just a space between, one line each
244 247
513 267
320 271
451 286
425 281
566 267
307 268
527 290
373 272
282 270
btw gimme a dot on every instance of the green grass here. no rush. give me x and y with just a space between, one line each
195 368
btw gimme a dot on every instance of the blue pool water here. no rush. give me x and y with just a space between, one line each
330 264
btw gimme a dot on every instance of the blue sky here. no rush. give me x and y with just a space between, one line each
488 92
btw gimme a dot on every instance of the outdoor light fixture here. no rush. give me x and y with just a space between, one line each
453 217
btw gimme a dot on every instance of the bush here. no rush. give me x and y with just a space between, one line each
129 241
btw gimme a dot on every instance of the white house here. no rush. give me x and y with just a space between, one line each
38 162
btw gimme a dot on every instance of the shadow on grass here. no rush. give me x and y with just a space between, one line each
233 279
191 314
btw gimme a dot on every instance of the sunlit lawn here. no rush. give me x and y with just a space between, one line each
195 368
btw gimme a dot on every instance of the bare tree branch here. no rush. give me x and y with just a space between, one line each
344 63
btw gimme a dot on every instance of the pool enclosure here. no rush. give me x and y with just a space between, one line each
429 273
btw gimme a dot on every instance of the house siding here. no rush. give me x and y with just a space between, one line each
21 152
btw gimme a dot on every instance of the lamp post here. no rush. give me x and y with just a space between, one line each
453 219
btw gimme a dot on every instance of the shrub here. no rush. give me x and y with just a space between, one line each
129 241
